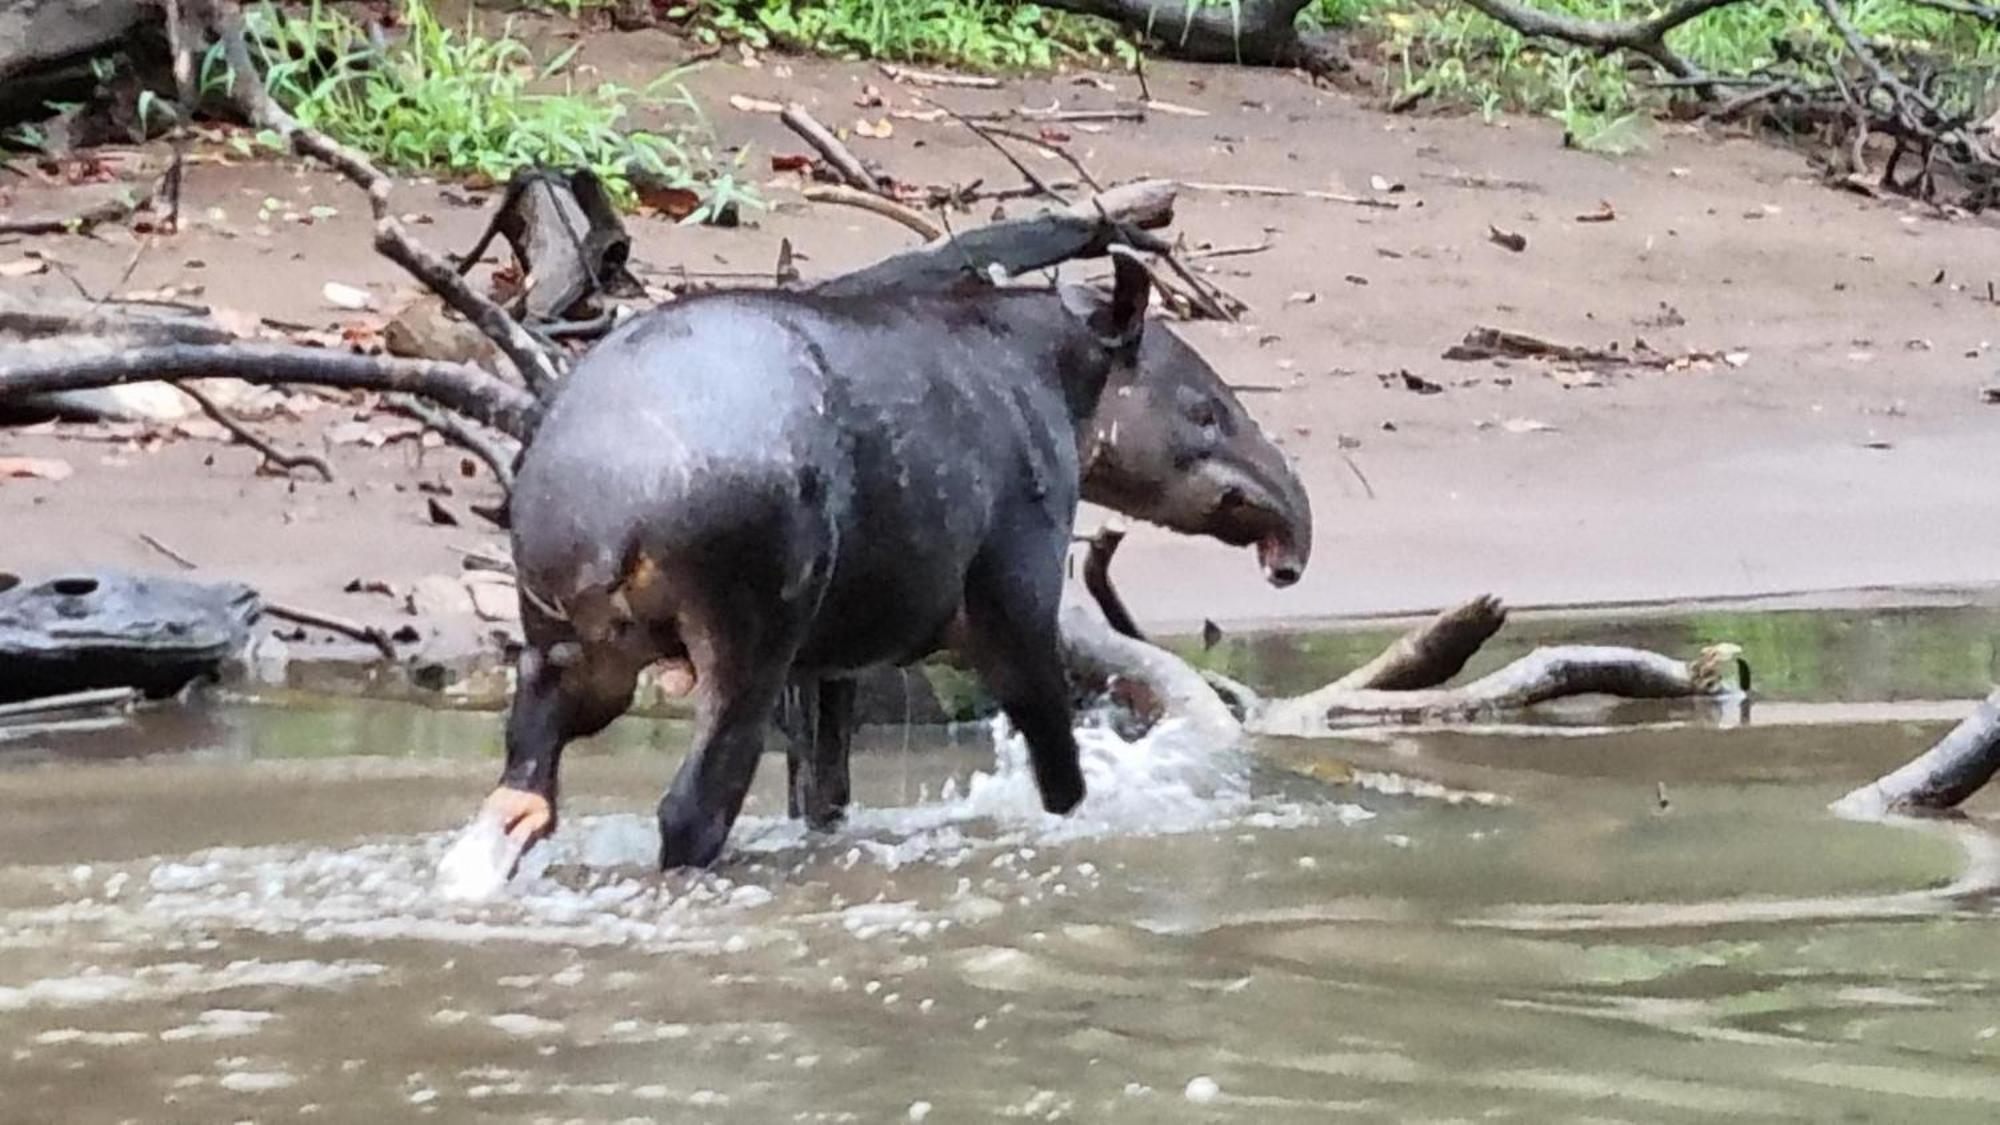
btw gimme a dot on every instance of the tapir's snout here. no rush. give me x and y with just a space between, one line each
1264 506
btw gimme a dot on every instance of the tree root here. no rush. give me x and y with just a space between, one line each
1248 32
1962 762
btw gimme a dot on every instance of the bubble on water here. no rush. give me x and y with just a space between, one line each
1201 1089
919 1110
256 1081
525 1026
220 1023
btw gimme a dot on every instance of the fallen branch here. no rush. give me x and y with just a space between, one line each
459 432
243 433
95 699
1499 343
34 369
1151 681
1543 675
932 78
1646 37
109 211
1121 215
138 323
1301 193
1961 763
1097 581
878 204
332 624
827 145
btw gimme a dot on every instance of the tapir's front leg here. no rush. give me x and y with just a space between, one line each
1012 597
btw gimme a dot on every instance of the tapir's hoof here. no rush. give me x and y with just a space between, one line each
1062 796
689 835
524 816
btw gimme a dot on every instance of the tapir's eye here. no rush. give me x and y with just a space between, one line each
1203 413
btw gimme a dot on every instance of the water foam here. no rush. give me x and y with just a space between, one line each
595 883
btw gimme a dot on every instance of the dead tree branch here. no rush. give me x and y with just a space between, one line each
36 369
827 145
243 433
1940 778
1097 581
1646 37
875 204
1123 215
459 432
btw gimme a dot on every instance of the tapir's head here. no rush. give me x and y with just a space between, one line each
1170 444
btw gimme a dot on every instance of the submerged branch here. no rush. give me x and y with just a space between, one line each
1960 764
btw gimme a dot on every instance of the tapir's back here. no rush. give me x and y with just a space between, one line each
898 427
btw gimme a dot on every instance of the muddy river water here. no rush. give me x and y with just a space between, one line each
1630 915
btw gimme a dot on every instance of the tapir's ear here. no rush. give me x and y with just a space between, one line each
1124 319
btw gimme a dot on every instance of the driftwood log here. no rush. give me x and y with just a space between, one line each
1248 32
1940 778
1401 684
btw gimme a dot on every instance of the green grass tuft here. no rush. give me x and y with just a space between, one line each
1458 58
455 101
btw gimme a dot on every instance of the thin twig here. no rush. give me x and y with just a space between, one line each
933 78
110 211
980 131
1303 193
243 433
185 562
822 139
877 204
1226 251
459 432
369 633
1057 150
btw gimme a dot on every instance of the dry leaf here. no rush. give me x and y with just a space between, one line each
925 115
35 468
1526 426
1736 359
673 202
1572 378
23 267
754 105
1053 136
1302 297
1603 214
871 97
1176 110
1507 238
1385 184
881 130
347 297
791 162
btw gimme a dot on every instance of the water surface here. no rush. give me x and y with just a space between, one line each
227 914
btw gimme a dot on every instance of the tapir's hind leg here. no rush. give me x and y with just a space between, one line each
743 616
564 690
820 718
1012 596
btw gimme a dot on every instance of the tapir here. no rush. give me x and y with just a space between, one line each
772 484
1170 444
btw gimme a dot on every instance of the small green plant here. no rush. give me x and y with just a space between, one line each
1447 52
455 101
